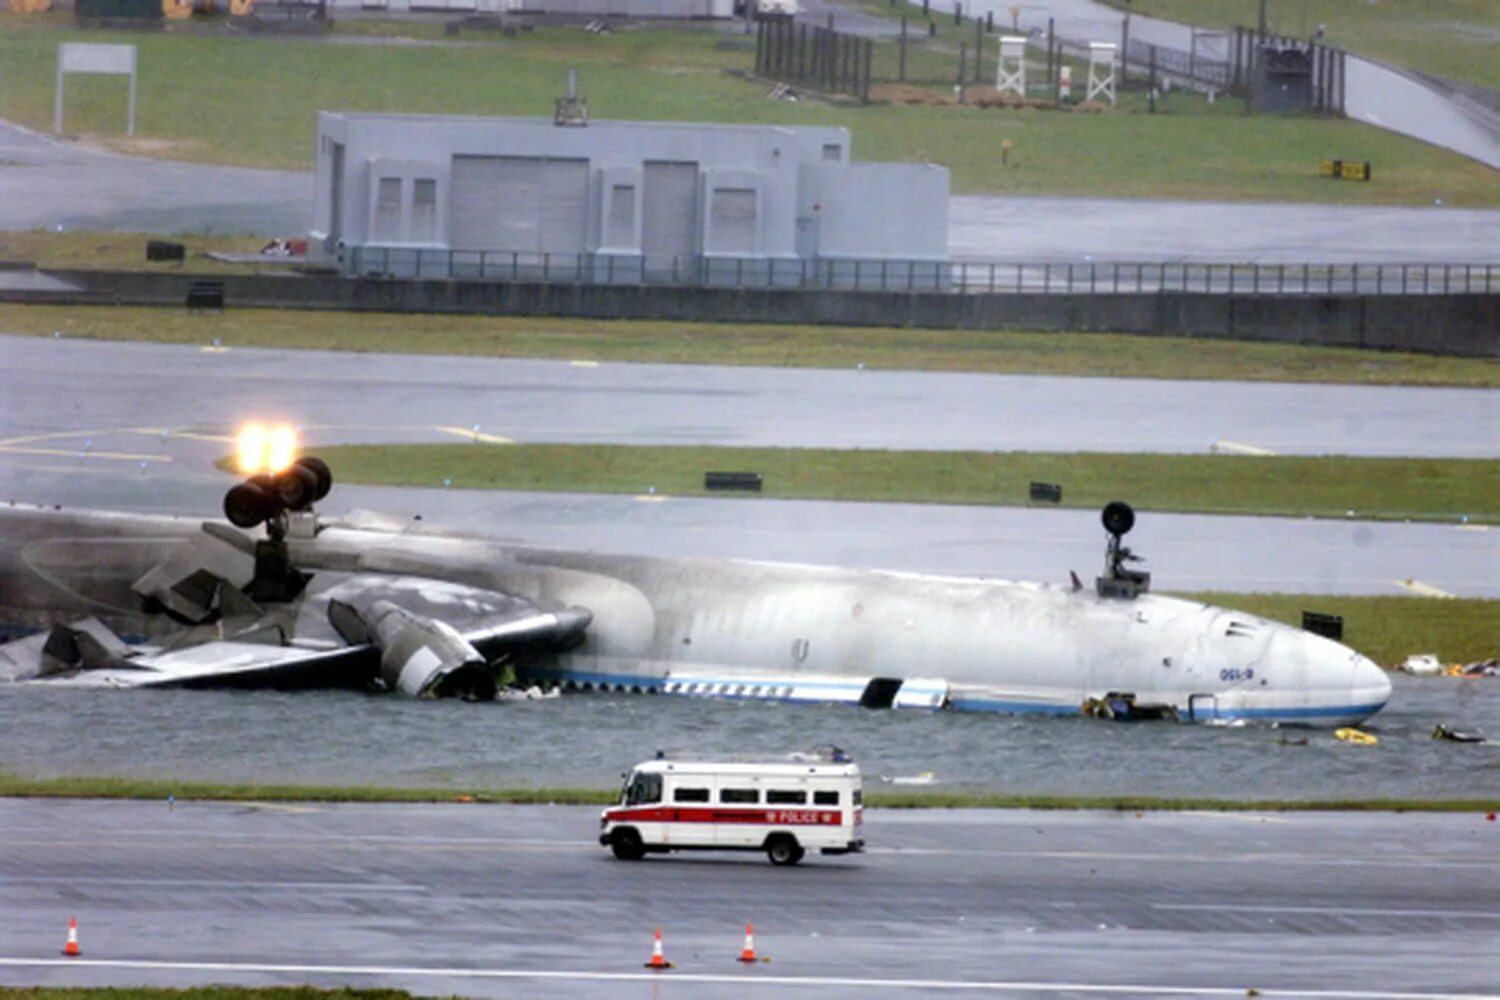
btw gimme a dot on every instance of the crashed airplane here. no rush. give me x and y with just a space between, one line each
284 599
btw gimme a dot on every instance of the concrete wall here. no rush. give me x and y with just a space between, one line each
1458 325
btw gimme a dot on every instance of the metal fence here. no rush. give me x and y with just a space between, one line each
957 276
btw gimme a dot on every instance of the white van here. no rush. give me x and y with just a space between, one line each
784 806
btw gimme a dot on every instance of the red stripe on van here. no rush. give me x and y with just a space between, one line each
710 814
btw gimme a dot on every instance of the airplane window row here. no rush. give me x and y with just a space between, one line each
730 690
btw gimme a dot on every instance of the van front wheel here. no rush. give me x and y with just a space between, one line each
626 845
783 849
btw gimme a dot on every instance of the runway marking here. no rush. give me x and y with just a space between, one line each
216 885
1355 911
1473 527
651 497
584 364
120 456
471 434
1422 589
832 982
1236 448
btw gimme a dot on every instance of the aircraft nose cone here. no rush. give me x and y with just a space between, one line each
1370 685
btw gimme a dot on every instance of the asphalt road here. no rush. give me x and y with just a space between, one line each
521 901
375 397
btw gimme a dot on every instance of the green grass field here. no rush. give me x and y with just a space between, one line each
253 101
1328 487
1084 354
1457 39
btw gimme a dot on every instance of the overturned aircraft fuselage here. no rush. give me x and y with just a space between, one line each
742 629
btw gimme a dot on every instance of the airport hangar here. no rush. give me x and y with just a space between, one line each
621 202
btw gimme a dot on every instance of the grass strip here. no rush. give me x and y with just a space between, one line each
1387 629
18 786
1190 149
792 346
1320 486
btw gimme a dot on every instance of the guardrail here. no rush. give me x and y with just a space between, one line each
957 276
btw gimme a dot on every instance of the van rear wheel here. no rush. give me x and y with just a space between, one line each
783 849
626 845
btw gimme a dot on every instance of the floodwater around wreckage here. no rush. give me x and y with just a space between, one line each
586 740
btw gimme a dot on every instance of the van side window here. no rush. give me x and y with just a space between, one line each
825 798
858 797
690 795
739 795
645 788
777 797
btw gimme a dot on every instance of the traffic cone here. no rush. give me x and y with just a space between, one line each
748 955
71 949
657 961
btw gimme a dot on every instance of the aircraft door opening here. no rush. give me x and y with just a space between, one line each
880 692
1202 708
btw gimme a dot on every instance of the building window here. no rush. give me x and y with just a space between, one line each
833 152
387 228
424 210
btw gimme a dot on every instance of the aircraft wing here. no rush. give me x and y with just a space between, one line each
221 663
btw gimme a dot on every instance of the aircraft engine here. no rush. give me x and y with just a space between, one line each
425 657
263 497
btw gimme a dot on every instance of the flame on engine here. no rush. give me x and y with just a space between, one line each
261 449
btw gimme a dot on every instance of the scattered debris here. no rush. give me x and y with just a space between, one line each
1356 736
1421 664
1122 707
781 92
1442 732
1479 668
284 248
925 778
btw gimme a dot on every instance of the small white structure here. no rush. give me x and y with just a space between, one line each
1102 71
1010 74
621 202
89 57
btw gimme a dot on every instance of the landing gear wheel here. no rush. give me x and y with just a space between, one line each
783 849
627 845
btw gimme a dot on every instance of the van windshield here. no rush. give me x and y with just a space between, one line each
643 788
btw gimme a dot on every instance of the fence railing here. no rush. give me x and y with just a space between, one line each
956 276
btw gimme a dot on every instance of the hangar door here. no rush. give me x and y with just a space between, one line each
522 204
669 218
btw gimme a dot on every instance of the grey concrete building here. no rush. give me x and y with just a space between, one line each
621 202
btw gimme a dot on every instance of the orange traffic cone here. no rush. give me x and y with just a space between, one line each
71 949
748 955
657 961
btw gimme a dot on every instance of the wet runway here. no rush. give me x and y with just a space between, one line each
352 397
521 901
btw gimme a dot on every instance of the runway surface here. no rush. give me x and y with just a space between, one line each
388 397
521 901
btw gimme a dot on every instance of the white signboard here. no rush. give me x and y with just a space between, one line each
89 57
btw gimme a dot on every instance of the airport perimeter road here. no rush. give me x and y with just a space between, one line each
51 185
1083 230
74 392
521 901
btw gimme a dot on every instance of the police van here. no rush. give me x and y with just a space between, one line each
785 806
